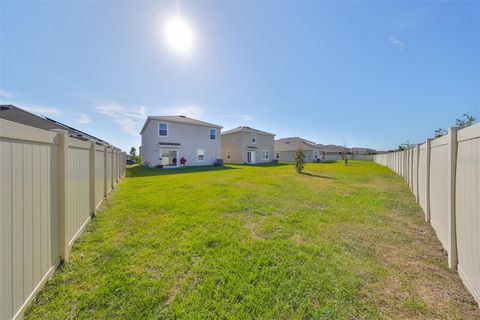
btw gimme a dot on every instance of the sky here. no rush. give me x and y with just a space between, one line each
370 74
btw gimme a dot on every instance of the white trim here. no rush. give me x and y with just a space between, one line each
203 153
158 131
268 155
210 135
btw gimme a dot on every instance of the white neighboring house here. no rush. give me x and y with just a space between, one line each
167 139
247 145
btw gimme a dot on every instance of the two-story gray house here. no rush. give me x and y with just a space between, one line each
168 139
247 145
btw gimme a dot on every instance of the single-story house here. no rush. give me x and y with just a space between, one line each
171 140
332 152
285 148
247 145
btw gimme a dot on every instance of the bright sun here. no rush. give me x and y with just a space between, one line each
179 35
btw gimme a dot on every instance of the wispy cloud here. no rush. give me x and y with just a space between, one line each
244 117
125 117
191 110
397 42
83 118
4 94
7 97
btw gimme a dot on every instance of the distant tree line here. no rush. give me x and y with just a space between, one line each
464 121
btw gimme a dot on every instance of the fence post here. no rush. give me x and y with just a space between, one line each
92 177
427 178
417 161
452 167
62 192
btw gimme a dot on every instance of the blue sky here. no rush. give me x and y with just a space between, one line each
371 74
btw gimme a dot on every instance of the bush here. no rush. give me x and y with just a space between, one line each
299 161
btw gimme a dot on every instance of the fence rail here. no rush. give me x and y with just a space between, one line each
51 185
444 176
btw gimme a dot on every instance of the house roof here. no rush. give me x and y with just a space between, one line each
180 119
246 129
332 148
15 114
293 144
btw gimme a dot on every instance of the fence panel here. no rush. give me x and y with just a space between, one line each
109 170
439 188
422 177
46 181
28 229
467 208
99 174
448 179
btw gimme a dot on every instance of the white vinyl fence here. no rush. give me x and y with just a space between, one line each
444 175
51 185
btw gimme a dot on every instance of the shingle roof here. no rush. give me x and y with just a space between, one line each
15 114
293 144
246 129
180 119
332 148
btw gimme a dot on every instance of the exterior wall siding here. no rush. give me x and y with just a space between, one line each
190 137
239 142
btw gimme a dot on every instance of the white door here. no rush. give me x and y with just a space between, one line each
250 156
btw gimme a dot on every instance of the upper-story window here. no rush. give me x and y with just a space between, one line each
213 134
253 137
163 129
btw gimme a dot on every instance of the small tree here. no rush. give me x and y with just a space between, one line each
465 121
299 161
440 132
344 155
133 152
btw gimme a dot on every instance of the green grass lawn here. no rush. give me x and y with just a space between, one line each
257 242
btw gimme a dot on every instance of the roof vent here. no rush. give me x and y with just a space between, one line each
4 108
182 117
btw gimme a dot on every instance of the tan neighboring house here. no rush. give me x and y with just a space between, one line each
247 145
168 139
285 148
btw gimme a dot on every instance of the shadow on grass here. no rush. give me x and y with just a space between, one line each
318 176
140 171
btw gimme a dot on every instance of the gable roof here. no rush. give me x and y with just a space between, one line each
332 148
15 114
247 129
180 119
293 144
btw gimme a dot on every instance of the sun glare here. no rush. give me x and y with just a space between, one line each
179 35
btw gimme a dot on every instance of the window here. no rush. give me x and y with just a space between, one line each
277 155
200 155
265 155
228 155
253 137
163 129
213 134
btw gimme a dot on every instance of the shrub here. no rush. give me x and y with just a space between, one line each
299 161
